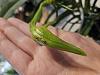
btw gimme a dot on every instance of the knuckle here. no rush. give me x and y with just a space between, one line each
8 28
22 40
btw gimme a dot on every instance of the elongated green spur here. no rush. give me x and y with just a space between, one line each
43 36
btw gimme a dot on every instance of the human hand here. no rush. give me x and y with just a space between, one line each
28 58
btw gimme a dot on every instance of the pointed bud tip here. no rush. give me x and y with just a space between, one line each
82 53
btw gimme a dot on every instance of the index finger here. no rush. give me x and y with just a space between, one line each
24 27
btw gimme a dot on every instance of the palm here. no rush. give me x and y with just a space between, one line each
28 58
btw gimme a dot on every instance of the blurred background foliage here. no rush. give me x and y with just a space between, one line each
81 16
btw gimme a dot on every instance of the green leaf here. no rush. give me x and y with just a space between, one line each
5 6
11 10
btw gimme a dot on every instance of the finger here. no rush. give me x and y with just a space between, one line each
14 55
24 27
18 37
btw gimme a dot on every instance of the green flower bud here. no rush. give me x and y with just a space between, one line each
44 37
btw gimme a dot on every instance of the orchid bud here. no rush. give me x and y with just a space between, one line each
44 37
